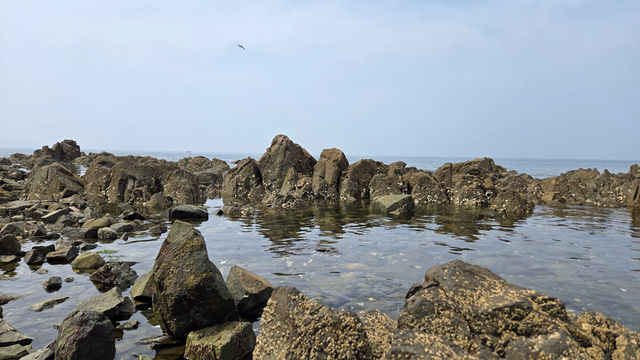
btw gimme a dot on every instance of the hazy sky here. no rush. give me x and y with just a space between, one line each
513 78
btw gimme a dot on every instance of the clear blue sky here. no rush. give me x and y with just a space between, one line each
513 78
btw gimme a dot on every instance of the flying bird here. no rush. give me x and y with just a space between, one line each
241 47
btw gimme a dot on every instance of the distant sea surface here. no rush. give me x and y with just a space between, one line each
538 168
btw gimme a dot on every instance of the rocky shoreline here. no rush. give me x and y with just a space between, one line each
459 311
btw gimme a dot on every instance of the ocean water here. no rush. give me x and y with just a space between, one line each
350 258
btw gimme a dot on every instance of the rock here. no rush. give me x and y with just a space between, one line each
425 189
511 204
412 344
53 283
294 327
183 188
86 335
158 230
157 203
107 234
52 182
49 303
15 352
387 184
44 249
231 340
54 216
66 151
282 155
9 245
87 261
141 290
5 299
394 205
188 290
470 183
186 212
355 184
129 325
112 304
114 273
132 215
98 223
34 257
46 353
11 336
250 292
123 227
8 259
62 256
69 279
327 173
379 329
42 271
243 182
11 228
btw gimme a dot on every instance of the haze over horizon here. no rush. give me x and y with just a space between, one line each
505 79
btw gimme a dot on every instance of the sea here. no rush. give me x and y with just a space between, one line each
350 258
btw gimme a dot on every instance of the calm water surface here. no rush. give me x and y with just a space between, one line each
590 258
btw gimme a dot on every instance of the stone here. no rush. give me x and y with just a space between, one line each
111 303
188 290
282 155
98 223
114 274
231 340
129 325
379 329
189 212
123 227
294 327
243 182
387 184
425 189
42 271
158 202
48 304
15 352
46 353
158 230
85 335
412 344
54 216
9 245
182 187
52 182
62 256
44 249
394 205
8 259
250 292
11 336
34 257
87 261
132 215
69 279
53 283
108 234
141 289
512 204
327 173
354 186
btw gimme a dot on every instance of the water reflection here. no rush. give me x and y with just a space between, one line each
635 222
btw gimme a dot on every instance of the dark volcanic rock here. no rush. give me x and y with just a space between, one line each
250 292
114 273
282 155
52 182
189 212
85 335
327 173
294 327
243 182
189 292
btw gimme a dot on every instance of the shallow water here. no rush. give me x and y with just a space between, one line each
588 257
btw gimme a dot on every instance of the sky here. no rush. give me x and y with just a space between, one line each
513 78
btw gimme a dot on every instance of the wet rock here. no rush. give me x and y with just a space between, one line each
42 271
69 279
8 259
470 183
327 173
123 227
112 304
48 304
62 256
44 249
46 353
425 189
250 292
4 299
107 234
158 230
52 182
98 223
11 228
129 325
9 245
14 352
183 188
282 155
231 340
510 203
394 205
355 184
86 335
294 327
142 290
157 203
87 261
54 216
379 329
188 290
243 182
188 212
114 274
132 215
387 184
34 257
11 336
53 283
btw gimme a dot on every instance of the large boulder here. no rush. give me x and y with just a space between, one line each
182 187
470 183
511 204
282 155
327 173
250 292
231 340
189 292
65 151
465 309
53 182
354 185
294 327
243 182
425 189
210 173
387 184
86 335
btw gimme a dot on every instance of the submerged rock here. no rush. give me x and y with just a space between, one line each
85 335
294 327
189 292
231 340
